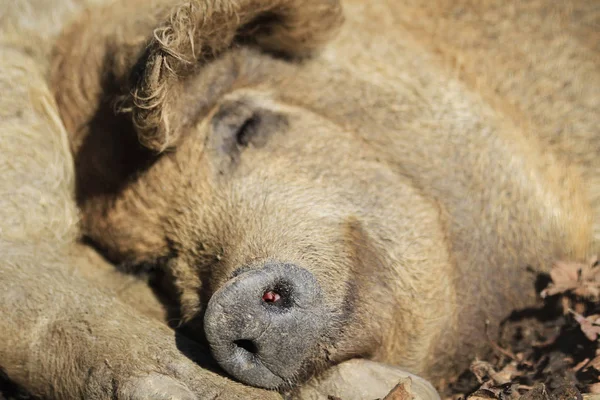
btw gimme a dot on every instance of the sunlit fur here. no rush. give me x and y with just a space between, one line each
436 155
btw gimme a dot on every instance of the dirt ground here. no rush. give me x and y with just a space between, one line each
550 352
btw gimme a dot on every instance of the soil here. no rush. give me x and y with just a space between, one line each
541 353
10 391
549 352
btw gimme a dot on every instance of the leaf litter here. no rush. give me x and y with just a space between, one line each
548 353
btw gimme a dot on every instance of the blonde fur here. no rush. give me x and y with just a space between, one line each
425 158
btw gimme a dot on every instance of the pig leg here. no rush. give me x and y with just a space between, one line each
360 379
62 336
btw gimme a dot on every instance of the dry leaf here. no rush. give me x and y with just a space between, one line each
483 394
595 363
580 365
402 391
590 325
507 373
594 388
484 371
578 278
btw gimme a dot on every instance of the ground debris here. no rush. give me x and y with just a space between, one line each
579 279
547 353
402 391
589 325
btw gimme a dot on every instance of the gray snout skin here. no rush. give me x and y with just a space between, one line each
264 323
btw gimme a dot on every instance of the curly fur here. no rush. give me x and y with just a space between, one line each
384 88
423 161
198 31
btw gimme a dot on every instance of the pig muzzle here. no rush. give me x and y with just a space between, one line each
263 324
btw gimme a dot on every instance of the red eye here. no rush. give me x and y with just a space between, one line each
271 297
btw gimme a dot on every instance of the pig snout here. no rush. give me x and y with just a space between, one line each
264 323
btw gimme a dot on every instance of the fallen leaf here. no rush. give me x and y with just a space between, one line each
595 362
580 365
589 325
590 396
581 279
402 391
594 388
483 394
484 371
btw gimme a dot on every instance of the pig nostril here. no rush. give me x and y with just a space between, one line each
271 297
247 345
279 297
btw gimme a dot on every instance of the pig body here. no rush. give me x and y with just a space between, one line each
322 181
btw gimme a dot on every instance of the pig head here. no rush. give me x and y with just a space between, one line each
315 197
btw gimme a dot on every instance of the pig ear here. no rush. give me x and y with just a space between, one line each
201 29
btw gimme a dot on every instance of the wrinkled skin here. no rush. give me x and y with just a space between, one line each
396 180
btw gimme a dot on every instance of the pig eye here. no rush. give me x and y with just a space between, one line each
247 131
237 126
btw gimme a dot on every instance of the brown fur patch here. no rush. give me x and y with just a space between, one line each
431 154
